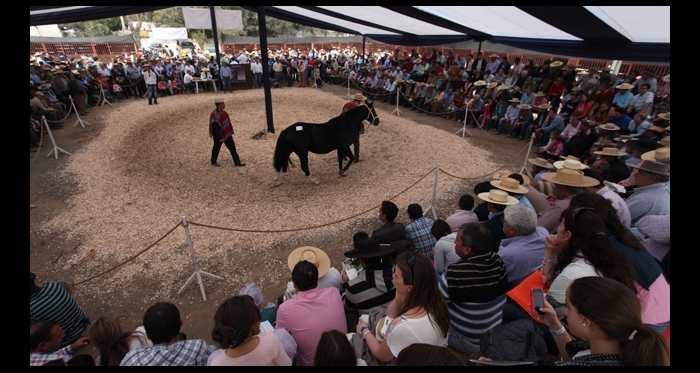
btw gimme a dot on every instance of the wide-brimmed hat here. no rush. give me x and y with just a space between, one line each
604 143
501 87
525 106
667 78
45 86
624 86
656 129
314 255
539 94
655 155
623 138
643 144
666 141
541 162
498 197
480 83
652 167
399 81
369 248
612 152
544 106
219 101
556 64
494 55
609 127
505 173
571 163
359 96
510 185
204 69
569 177
514 99
606 69
664 116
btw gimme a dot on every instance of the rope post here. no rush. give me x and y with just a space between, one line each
527 155
55 149
432 201
464 129
397 110
197 272
103 98
72 104
348 95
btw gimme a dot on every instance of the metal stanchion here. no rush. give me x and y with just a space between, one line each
397 110
432 201
55 149
77 114
197 272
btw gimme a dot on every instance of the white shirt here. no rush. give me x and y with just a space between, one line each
188 78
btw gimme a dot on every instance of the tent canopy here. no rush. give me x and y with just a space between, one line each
639 33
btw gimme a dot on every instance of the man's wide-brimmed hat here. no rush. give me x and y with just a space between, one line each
313 255
539 94
664 116
556 64
643 144
569 177
624 86
652 167
656 129
509 185
498 197
657 154
623 138
494 55
612 152
480 83
541 162
667 78
45 86
492 85
571 163
609 127
359 97
369 248
514 99
525 106
219 101
505 173
544 106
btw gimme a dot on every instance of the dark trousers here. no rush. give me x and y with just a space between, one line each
231 147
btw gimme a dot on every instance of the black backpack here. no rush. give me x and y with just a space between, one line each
518 340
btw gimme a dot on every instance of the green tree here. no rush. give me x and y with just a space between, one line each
101 27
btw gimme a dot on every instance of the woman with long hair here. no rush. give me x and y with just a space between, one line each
237 331
108 337
607 315
653 291
334 349
418 313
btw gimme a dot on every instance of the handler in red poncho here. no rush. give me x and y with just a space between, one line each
221 131
359 99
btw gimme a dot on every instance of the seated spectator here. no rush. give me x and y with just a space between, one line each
444 250
522 251
417 314
463 214
474 288
162 323
237 331
112 342
334 349
54 301
310 313
566 183
539 167
623 213
607 314
45 338
391 231
497 200
373 286
652 196
618 170
554 150
657 230
418 230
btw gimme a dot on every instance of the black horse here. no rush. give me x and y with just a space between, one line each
322 138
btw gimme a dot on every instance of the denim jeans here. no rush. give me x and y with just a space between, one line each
460 343
257 80
152 93
226 81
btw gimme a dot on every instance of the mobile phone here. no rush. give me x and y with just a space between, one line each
537 301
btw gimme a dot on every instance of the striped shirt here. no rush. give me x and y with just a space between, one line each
475 292
53 302
418 232
372 287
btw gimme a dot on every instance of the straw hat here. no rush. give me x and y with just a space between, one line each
570 163
611 152
501 87
492 85
666 141
359 97
656 129
204 69
399 81
624 86
544 106
652 167
498 197
657 154
541 162
664 116
494 55
510 185
643 144
514 99
556 64
609 127
606 69
623 138
219 101
525 106
311 254
667 78
539 94
480 83
569 177
45 86
505 173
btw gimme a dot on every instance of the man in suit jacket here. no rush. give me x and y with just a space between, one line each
391 231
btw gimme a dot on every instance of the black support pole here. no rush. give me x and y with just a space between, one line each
212 12
266 68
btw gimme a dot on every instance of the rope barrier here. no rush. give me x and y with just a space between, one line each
485 175
41 139
315 226
130 259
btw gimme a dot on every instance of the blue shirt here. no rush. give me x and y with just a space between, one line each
654 199
449 97
522 255
623 100
418 232
623 122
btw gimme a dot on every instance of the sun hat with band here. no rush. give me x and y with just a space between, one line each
652 167
643 144
569 177
541 162
655 155
498 197
369 248
311 254
610 152
609 127
359 97
624 86
570 162
505 173
509 185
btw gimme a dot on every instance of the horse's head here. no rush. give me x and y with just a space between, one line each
372 116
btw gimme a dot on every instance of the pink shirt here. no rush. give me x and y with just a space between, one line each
307 316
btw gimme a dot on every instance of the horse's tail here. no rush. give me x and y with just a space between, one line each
281 157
